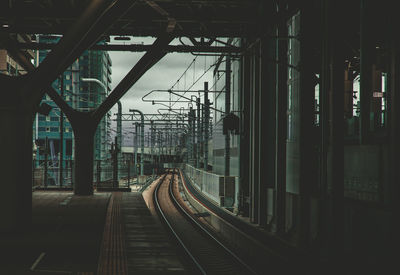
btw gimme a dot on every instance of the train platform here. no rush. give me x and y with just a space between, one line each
107 233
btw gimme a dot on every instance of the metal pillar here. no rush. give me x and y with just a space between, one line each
306 108
136 147
61 146
46 160
393 188
206 125
71 172
155 148
141 140
199 133
337 61
129 171
244 136
189 138
114 150
159 149
98 172
193 138
227 111
267 122
324 121
281 125
255 160
84 132
393 197
169 142
366 59
152 144
16 119
119 135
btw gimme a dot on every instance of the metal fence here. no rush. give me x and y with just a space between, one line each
221 189
48 174
206 182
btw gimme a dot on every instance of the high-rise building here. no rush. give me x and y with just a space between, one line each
48 127
84 85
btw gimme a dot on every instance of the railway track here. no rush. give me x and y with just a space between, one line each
205 252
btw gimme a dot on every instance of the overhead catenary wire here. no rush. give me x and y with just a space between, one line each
194 83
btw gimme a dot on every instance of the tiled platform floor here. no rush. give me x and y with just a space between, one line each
67 233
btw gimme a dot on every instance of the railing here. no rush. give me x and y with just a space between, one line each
39 178
174 165
221 189
103 174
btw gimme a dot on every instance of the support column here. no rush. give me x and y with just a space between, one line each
136 148
114 152
61 161
159 150
366 59
206 125
98 172
244 137
71 167
84 131
142 149
281 124
227 111
119 135
46 161
141 139
199 133
152 144
129 170
188 139
337 130
255 127
16 119
267 135
194 154
393 198
306 107
325 77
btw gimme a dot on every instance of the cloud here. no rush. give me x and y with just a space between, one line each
161 76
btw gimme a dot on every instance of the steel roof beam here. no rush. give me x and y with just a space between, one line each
139 48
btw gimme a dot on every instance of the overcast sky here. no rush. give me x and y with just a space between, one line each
160 77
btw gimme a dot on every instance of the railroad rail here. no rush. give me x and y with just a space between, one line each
205 252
